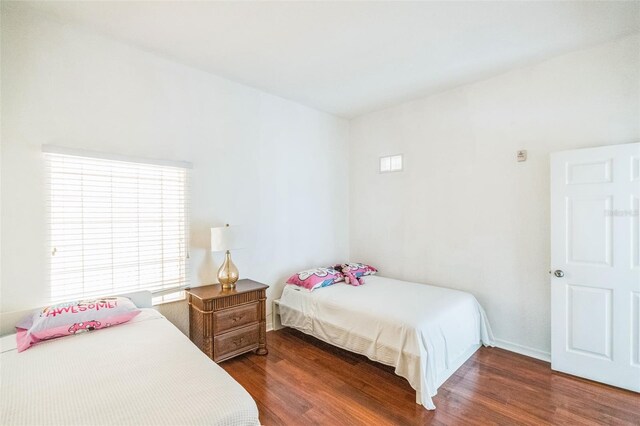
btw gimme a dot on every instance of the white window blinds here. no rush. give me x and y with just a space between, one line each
115 226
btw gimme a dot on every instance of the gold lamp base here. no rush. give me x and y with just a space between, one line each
228 273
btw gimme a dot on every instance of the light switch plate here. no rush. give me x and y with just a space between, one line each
522 155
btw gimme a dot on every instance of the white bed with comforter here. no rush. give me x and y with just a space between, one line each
144 372
425 332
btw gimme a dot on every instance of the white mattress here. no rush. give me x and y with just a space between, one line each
145 372
425 332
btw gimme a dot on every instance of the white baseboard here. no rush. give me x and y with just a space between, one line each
523 350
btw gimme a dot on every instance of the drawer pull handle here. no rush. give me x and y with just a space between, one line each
238 342
237 318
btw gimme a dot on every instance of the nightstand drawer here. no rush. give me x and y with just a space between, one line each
234 342
232 318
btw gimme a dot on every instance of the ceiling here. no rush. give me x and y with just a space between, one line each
349 58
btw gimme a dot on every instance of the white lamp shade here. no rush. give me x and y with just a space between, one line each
225 238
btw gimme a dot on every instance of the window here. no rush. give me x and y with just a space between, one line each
391 163
115 225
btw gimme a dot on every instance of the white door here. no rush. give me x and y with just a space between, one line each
595 261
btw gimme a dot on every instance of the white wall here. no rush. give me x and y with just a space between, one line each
258 160
464 213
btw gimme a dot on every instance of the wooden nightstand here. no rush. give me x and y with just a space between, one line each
226 323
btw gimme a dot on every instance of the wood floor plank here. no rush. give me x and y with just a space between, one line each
304 381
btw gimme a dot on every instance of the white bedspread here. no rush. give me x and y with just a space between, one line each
142 372
425 332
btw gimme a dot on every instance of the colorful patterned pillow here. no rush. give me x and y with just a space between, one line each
73 317
312 279
353 272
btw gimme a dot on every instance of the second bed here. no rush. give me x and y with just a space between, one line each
425 332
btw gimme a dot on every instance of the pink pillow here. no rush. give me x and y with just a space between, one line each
69 318
353 272
316 278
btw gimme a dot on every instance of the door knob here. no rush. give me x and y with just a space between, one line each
558 273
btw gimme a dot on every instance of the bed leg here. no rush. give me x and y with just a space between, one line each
277 324
418 398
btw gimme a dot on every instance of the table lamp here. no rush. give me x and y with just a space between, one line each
224 239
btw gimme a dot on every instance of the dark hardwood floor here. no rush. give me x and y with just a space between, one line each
305 381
